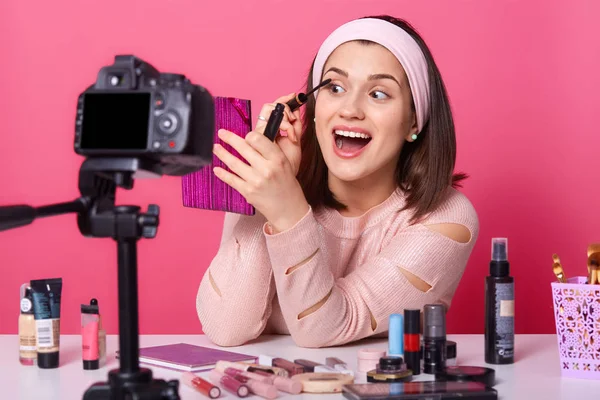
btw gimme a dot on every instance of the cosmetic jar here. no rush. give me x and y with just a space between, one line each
368 358
389 370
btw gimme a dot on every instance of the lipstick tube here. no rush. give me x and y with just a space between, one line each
309 366
412 340
281 383
290 367
200 385
338 365
256 386
231 384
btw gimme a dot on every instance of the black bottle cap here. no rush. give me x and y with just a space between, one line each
390 362
499 266
412 321
48 360
91 364
464 373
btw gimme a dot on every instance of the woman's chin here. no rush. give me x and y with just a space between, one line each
347 174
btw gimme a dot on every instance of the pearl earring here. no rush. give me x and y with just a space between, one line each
315 119
414 136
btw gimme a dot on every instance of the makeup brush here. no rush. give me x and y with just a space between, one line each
302 98
593 264
558 269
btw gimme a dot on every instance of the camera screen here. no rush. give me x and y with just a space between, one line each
115 121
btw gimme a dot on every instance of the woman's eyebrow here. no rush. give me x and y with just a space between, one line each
374 77
339 71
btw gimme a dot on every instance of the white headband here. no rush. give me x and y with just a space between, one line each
397 41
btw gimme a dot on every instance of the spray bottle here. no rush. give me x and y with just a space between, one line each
499 307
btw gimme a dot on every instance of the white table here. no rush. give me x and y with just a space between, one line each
535 374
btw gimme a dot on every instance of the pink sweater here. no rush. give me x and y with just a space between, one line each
248 291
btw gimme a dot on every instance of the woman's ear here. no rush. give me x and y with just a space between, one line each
414 129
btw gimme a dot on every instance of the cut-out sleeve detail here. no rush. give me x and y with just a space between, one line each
417 266
416 281
457 232
214 284
235 295
314 308
295 267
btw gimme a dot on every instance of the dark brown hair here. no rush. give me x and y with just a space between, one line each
425 169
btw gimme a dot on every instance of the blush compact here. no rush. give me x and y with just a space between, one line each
466 373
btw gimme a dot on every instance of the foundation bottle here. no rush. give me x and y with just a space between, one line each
27 345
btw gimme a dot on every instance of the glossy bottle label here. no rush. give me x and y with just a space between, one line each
505 319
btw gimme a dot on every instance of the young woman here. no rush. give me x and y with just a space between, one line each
358 215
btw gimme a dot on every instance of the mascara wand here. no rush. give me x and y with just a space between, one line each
302 98
277 114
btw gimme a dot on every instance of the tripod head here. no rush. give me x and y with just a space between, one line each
134 122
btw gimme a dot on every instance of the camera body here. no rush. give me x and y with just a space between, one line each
133 110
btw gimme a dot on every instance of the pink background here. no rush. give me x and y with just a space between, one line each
523 78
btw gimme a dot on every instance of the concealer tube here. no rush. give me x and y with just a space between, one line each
89 337
46 309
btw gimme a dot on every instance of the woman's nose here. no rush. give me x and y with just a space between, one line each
352 107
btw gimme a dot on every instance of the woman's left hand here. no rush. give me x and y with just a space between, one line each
267 182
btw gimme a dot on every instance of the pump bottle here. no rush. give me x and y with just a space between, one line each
499 307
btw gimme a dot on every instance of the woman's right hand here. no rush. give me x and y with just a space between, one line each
290 130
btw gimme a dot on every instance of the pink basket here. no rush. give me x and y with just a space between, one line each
577 318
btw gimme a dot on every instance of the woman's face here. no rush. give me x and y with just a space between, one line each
364 116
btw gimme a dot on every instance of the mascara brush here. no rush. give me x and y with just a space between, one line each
277 114
302 98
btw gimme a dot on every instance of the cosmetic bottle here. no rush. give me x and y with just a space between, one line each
27 346
434 338
499 307
101 335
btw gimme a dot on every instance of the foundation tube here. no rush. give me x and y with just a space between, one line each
46 311
90 325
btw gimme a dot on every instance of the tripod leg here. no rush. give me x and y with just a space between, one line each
129 346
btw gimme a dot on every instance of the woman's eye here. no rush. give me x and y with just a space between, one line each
335 88
378 94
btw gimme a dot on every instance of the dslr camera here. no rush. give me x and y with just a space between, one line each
133 110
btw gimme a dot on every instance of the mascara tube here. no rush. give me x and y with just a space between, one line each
274 122
297 101
434 339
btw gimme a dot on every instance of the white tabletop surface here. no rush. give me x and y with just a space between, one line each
534 375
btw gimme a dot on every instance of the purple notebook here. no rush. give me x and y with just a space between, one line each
202 189
189 357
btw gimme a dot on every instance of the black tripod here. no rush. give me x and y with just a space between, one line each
97 216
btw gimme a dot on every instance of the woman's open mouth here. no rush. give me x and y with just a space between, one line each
349 144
